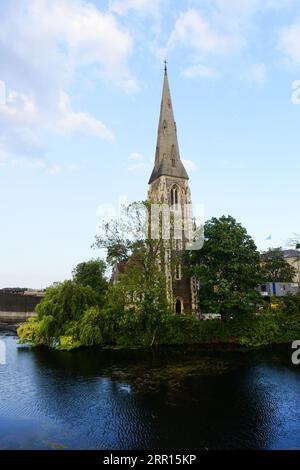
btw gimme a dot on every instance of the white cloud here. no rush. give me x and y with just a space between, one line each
36 163
239 10
3 155
194 31
189 165
200 71
214 30
135 156
257 74
137 162
42 47
122 7
19 108
68 34
79 123
289 42
2 93
21 122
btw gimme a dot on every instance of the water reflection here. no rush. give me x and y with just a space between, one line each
174 398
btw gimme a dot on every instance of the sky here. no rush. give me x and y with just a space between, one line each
80 91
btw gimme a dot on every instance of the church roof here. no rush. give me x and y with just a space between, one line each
167 158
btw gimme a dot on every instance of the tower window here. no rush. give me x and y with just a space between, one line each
178 272
174 198
173 162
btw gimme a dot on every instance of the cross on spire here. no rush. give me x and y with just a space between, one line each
165 62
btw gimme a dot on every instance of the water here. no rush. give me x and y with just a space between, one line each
171 399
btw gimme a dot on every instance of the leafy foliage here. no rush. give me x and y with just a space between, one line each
292 304
66 301
228 267
58 314
90 328
141 283
30 332
275 267
92 274
135 312
121 238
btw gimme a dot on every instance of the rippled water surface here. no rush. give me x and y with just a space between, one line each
174 398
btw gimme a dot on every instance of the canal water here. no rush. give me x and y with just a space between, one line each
174 398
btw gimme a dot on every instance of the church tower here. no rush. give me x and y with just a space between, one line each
168 185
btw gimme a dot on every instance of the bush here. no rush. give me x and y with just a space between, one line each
67 343
261 331
292 304
30 332
179 329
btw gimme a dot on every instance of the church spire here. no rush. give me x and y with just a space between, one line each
167 158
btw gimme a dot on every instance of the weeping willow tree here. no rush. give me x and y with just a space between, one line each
60 316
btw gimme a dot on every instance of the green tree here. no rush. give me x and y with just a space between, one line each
92 273
228 267
141 283
275 267
120 238
63 305
292 304
90 333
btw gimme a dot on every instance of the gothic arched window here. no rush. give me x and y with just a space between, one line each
178 272
174 197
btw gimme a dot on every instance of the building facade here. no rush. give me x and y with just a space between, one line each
277 289
293 258
169 187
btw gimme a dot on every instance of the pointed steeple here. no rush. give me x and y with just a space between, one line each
167 158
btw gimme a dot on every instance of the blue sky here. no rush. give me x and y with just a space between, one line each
79 102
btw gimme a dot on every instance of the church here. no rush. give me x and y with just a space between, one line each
169 185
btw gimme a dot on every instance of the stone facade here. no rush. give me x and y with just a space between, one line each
17 306
169 185
293 258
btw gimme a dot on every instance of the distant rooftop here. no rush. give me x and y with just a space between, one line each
23 291
291 253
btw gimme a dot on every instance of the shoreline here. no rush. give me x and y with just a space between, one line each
9 327
11 330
